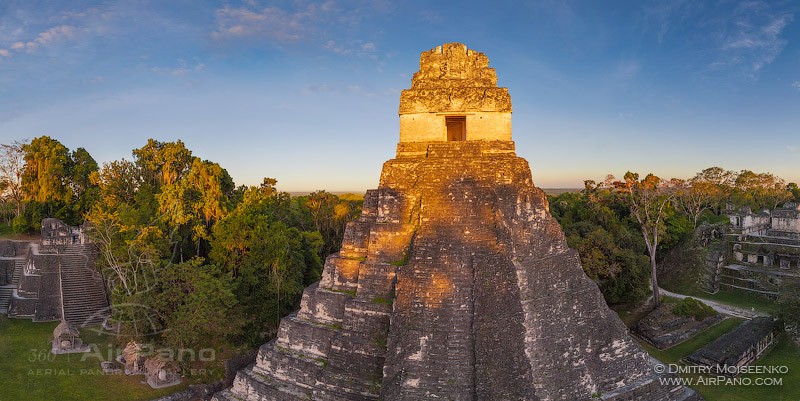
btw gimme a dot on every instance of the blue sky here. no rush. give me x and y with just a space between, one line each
307 92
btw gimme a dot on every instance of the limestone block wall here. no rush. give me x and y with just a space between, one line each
786 224
430 127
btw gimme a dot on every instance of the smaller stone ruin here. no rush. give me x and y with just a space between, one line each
55 233
66 340
161 373
132 359
740 347
663 328
110 367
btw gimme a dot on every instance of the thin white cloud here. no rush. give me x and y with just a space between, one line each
430 16
271 23
796 85
333 26
43 31
56 33
751 38
354 89
78 15
627 69
331 45
5 53
662 16
792 149
182 69
45 38
357 47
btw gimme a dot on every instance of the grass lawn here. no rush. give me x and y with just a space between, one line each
738 299
785 353
29 372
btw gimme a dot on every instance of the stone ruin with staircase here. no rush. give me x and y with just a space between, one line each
455 283
760 252
55 279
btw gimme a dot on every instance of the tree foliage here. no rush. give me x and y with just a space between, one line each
598 226
665 212
649 200
197 304
269 258
53 182
180 240
12 162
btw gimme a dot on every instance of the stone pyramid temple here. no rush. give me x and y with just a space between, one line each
455 283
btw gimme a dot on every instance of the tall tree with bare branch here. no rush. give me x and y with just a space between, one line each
648 200
12 162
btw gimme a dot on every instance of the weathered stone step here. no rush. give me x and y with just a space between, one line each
322 306
289 366
305 337
19 264
82 286
5 298
227 395
340 273
252 386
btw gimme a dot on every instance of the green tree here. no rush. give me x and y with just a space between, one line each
648 200
695 196
760 191
84 192
270 261
198 305
163 162
12 162
718 183
209 192
596 223
118 182
46 172
795 190
330 216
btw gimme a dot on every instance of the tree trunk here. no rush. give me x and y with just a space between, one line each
654 280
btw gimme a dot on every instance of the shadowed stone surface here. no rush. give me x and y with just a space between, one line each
456 284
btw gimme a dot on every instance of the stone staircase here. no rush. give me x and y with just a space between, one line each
19 264
83 289
5 298
6 292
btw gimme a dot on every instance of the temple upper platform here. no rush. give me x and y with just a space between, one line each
454 97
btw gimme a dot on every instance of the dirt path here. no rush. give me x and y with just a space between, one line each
746 313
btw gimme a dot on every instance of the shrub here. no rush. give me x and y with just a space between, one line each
690 307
